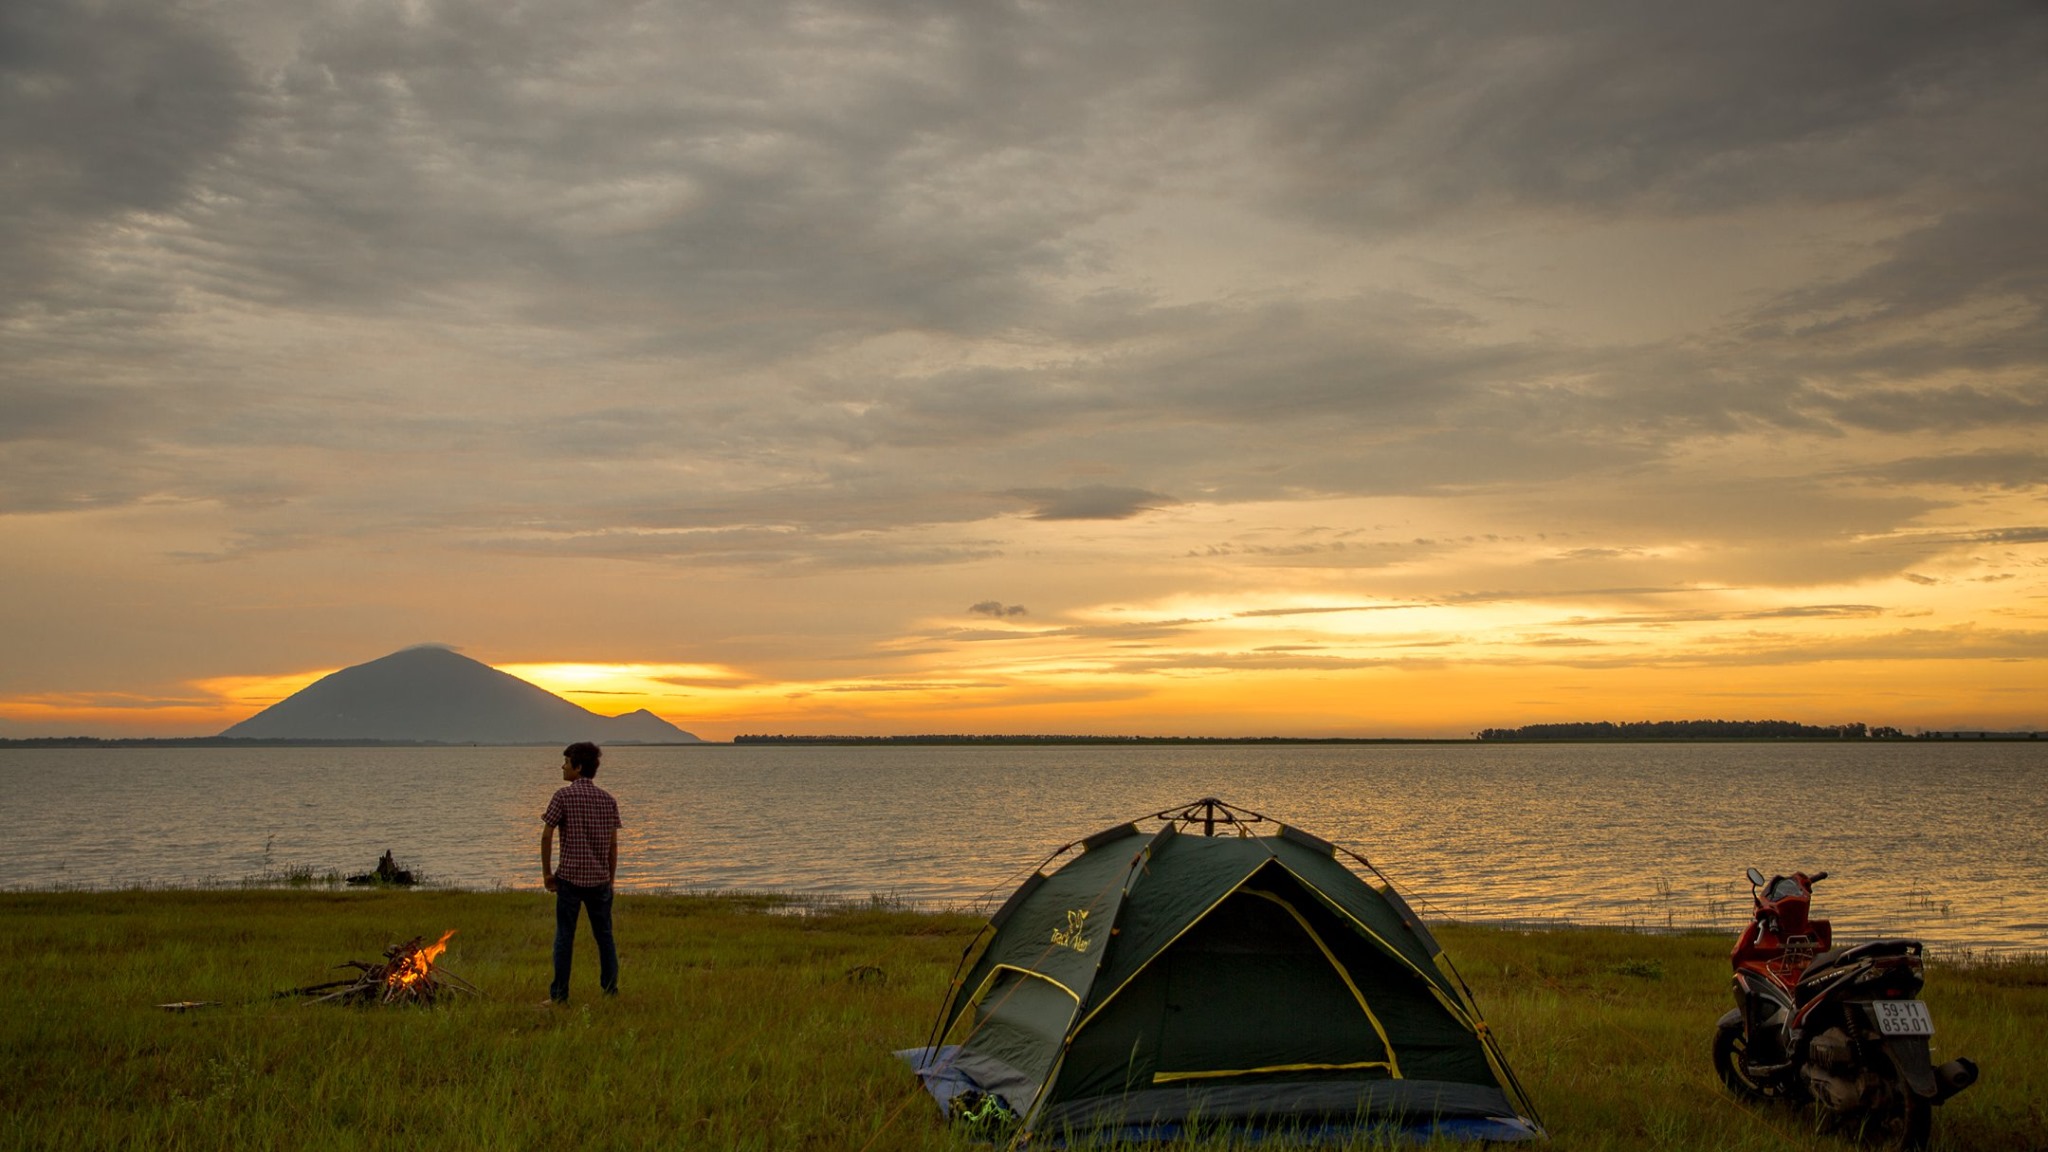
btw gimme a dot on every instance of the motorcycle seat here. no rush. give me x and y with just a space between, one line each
1836 957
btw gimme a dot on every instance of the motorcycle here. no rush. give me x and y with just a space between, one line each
1843 1029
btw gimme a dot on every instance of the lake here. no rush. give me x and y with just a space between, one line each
1947 842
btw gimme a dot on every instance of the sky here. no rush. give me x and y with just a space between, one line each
1312 369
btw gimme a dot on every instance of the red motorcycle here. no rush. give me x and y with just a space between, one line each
1841 1028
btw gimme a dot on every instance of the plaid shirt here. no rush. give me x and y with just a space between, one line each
587 815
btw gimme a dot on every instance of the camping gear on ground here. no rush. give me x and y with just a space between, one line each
1201 977
1843 1028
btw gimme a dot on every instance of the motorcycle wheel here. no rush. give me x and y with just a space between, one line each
1730 1046
1906 1124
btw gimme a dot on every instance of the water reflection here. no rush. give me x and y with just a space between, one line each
1949 842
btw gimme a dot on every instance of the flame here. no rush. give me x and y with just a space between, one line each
412 969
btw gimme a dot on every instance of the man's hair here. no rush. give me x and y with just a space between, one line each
583 755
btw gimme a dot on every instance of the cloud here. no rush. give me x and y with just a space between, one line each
916 686
1793 612
1385 116
749 199
1966 643
1961 643
997 609
1599 554
34 410
2034 534
2025 534
114 109
2010 471
1257 613
858 169
1137 630
742 548
1493 596
1091 502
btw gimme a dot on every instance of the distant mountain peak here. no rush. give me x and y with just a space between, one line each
431 692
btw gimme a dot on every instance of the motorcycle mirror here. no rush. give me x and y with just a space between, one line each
1756 878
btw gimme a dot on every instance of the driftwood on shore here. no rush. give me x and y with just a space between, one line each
387 872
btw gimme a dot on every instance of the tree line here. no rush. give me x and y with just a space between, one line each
1693 730
961 738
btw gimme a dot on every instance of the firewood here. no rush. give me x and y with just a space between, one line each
408 975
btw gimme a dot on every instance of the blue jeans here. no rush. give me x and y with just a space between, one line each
598 902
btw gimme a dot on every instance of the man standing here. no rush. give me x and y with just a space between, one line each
589 820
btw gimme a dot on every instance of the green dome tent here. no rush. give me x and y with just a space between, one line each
1174 979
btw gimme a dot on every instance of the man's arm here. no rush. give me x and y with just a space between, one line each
547 857
611 856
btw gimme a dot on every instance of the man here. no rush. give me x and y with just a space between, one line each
589 820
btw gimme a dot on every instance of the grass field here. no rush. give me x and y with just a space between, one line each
739 1027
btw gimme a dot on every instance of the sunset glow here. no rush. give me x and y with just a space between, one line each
1333 373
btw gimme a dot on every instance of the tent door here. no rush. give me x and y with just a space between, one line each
1251 990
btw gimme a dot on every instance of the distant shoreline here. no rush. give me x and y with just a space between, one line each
251 742
1100 741
741 741
1091 741
1492 737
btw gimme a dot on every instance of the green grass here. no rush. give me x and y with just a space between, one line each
740 1027
1610 1032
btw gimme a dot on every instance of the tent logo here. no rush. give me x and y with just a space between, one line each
1072 936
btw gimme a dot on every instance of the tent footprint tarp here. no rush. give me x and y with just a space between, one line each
1167 980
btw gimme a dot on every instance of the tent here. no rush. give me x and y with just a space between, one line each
1207 975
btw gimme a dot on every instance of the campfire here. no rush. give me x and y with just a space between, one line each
408 975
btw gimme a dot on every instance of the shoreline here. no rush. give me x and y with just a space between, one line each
808 905
217 742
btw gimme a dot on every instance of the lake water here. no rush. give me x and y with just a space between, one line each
1947 842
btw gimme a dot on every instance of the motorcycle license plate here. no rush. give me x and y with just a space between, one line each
1902 1017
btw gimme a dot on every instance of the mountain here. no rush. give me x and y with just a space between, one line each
434 694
